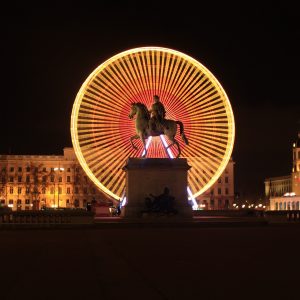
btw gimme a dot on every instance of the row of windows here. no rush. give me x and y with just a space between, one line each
220 204
52 190
226 180
295 155
35 169
11 201
44 179
27 202
219 191
287 205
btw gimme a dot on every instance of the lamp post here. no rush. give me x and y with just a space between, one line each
58 169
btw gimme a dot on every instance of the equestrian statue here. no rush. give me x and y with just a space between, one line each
153 123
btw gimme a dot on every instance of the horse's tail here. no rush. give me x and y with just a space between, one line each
184 138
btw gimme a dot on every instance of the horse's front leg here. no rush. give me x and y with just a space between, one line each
145 149
134 137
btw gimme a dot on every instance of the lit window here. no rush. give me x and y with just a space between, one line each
52 178
11 190
68 190
11 202
19 190
27 190
59 190
60 179
27 201
52 190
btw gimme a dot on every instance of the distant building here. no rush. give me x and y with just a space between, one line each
43 181
40 181
284 192
278 186
221 195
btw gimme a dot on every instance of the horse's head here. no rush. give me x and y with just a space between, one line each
132 110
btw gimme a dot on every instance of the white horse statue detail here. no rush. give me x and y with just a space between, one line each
144 130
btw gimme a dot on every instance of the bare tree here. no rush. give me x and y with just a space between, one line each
38 183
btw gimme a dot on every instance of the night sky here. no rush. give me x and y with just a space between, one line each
47 51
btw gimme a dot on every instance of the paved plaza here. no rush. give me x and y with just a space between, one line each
238 262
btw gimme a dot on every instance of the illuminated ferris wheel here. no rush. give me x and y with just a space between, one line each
101 129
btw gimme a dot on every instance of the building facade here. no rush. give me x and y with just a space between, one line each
221 195
42 181
284 192
29 182
278 186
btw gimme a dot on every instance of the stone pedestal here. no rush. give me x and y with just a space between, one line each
151 176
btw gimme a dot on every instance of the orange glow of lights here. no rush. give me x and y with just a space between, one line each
101 129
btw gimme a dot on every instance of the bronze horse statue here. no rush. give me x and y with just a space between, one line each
144 130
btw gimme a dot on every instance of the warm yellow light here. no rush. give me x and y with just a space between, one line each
134 75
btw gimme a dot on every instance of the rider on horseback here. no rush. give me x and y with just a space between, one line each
158 114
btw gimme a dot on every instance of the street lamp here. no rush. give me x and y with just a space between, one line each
58 169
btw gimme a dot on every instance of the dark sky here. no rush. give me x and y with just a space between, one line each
47 51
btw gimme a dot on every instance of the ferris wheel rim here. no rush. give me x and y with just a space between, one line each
198 65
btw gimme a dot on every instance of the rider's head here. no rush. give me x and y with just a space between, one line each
156 98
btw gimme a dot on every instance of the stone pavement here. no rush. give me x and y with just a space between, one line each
237 262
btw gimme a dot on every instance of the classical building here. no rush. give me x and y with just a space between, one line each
278 186
284 192
42 181
221 194
38 181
